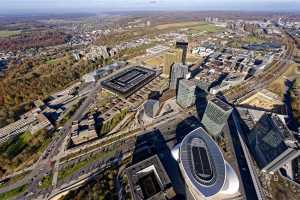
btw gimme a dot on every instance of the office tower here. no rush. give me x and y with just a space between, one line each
171 57
204 170
179 71
271 143
184 46
151 107
186 93
215 116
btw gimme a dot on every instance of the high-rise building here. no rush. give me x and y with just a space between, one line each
179 71
271 143
186 93
171 57
184 46
215 116
151 107
204 169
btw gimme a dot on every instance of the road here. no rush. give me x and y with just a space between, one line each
57 146
274 71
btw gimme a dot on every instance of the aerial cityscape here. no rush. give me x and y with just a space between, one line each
150 100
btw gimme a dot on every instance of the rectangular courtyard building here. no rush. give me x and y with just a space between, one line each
129 80
148 179
186 93
215 116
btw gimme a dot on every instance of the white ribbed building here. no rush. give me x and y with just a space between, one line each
206 173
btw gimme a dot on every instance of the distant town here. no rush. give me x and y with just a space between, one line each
150 106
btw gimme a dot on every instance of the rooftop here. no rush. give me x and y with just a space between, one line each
148 179
203 162
221 104
128 81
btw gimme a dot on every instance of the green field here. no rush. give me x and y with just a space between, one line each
46 182
9 33
205 27
13 147
69 170
13 193
22 151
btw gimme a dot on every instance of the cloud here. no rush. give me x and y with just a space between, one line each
153 2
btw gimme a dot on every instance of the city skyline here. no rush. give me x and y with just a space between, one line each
96 6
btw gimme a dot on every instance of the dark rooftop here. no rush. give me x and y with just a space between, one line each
221 104
129 81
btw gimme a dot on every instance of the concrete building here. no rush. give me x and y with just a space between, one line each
32 122
148 179
181 44
215 117
83 131
186 96
179 71
172 56
204 169
151 108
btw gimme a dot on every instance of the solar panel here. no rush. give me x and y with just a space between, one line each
201 162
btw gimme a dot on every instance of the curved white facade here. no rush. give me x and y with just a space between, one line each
206 173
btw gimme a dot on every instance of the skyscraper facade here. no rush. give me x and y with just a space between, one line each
184 46
186 93
179 71
215 117
171 57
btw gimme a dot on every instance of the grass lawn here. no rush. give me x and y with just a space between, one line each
69 170
278 86
12 193
9 33
205 27
46 182
22 151
176 25
13 147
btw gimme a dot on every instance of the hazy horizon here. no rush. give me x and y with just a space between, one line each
94 6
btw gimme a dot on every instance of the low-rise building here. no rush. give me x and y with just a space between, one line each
148 179
83 131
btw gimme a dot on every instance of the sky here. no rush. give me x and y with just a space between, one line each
67 6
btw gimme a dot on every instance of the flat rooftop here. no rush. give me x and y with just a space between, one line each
148 179
129 81
221 104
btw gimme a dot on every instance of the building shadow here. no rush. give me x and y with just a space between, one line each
291 122
185 127
244 170
218 81
201 101
154 143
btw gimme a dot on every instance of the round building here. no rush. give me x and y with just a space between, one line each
206 173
